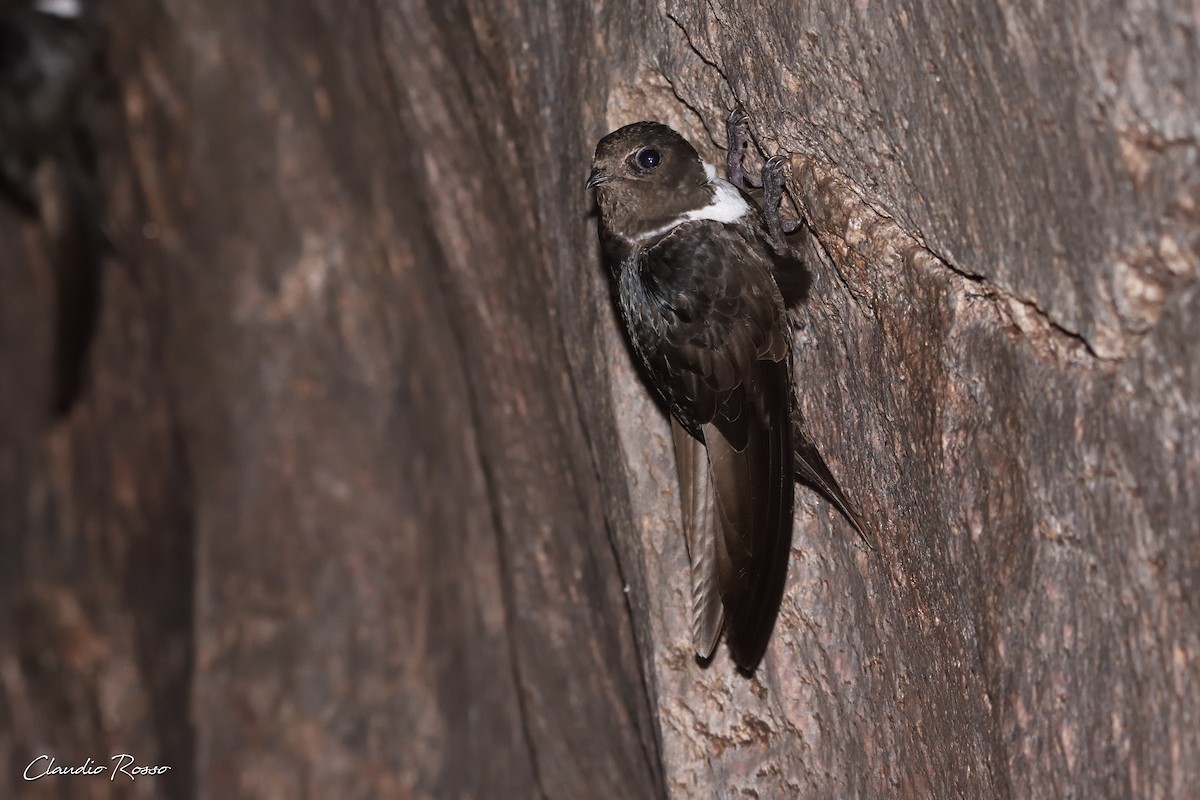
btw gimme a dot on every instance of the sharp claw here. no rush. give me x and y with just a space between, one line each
770 179
737 131
735 135
773 184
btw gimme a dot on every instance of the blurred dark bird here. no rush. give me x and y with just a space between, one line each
50 59
696 265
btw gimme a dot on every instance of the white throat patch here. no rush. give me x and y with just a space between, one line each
66 9
727 205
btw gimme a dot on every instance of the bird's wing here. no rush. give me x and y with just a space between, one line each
726 357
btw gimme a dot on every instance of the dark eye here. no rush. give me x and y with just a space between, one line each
647 158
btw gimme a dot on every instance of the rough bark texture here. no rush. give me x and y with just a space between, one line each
364 498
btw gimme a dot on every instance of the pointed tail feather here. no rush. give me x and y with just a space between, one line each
811 469
700 533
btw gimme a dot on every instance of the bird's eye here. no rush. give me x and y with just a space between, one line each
647 159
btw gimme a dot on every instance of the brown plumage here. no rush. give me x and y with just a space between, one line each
701 306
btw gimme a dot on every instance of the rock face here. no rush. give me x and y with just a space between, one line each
364 498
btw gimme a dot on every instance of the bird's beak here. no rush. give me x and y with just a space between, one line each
598 177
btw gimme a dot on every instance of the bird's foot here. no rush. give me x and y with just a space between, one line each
770 179
773 184
737 131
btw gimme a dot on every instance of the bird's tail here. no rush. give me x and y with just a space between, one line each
811 469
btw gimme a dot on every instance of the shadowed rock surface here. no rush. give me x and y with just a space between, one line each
363 497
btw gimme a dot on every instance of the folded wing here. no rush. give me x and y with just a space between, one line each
724 351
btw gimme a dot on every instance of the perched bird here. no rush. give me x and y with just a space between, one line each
47 55
50 53
694 262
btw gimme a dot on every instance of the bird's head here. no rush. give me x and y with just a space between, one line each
645 174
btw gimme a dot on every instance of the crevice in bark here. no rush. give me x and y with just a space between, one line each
642 647
710 62
836 209
502 537
1068 339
